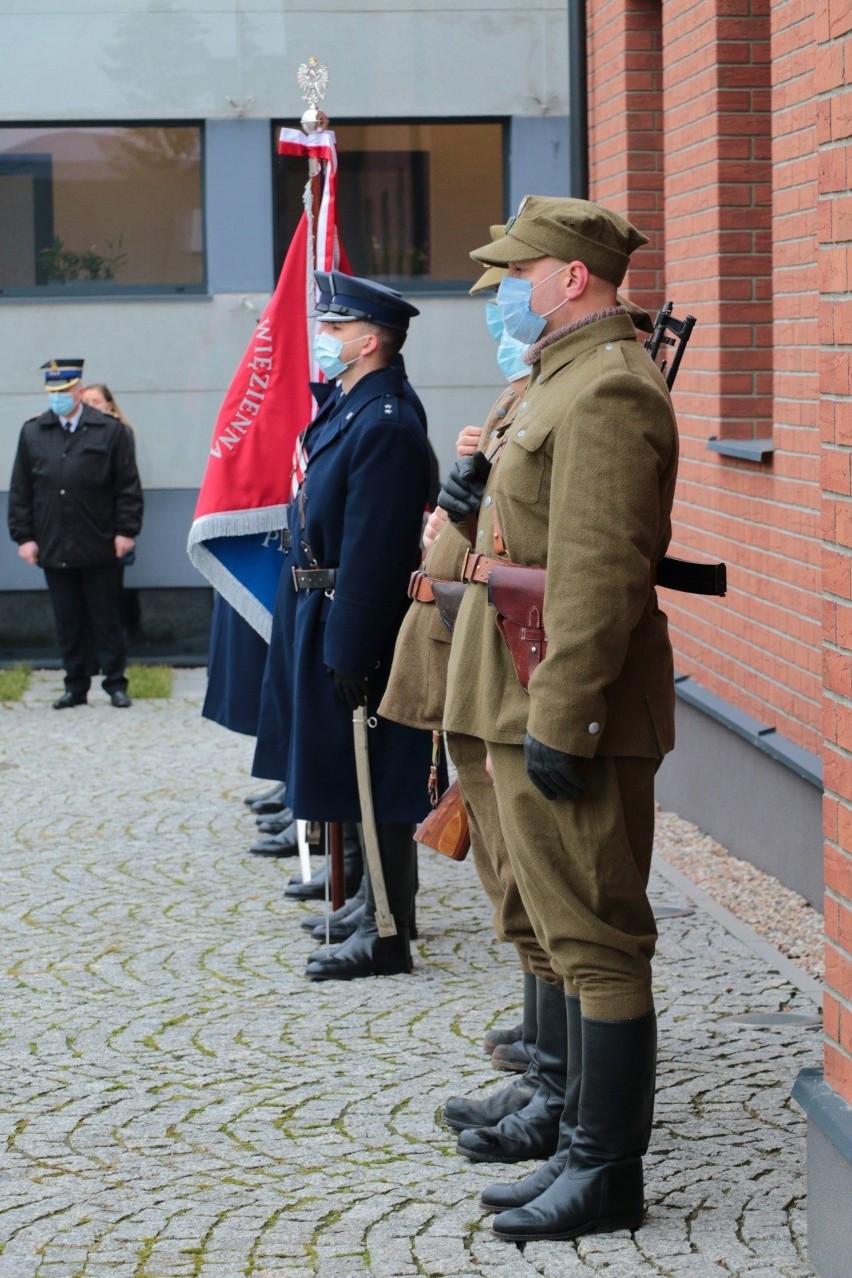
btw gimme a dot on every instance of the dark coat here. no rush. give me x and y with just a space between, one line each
364 495
235 666
73 494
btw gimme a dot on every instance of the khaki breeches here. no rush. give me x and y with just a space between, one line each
582 869
490 857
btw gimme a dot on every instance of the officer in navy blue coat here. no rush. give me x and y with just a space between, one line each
354 531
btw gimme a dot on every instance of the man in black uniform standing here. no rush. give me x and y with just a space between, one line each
75 507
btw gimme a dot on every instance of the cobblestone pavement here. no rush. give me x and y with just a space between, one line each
179 1102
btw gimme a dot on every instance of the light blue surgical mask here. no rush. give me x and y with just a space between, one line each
493 320
510 358
519 319
327 352
62 403
510 351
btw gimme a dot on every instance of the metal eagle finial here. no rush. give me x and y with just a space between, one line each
312 78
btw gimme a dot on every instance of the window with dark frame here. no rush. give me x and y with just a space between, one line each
414 198
101 209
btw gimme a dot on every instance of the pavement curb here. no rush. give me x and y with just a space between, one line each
767 953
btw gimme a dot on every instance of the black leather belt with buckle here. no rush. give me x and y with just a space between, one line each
314 578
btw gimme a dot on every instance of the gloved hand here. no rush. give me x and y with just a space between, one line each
462 492
351 688
554 773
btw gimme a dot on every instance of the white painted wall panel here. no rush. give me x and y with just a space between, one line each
170 362
184 61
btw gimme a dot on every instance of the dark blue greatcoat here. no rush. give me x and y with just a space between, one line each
235 666
365 490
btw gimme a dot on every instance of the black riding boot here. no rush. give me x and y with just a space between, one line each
366 953
533 1131
601 1186
502 1197
486 1111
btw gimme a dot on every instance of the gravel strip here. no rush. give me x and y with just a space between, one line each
778 914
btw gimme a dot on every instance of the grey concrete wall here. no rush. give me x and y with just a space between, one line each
161 558
237 205
829 1197
757 808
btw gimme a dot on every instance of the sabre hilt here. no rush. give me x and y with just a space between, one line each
664 324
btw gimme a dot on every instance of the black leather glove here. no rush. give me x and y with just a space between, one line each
462 492
351 688
554 773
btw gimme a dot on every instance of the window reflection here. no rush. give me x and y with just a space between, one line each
106 207
413 198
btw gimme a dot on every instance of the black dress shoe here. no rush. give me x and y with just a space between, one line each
69 699
268 803
120 700
338 929
274 791
284 844
312 921
296 890
275 822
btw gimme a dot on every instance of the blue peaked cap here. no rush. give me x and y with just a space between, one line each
59 374
348 297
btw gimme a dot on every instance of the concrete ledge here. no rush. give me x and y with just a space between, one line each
768 739
756 450
829 1174
742 784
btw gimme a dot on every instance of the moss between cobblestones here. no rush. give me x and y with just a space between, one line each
14 682
146 682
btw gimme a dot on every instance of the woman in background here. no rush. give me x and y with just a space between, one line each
99 396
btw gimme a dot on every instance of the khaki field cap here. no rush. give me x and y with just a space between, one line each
493 275
569 230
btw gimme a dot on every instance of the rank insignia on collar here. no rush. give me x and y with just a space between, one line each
388 409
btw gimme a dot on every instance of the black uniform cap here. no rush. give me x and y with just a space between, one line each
348 297
59 374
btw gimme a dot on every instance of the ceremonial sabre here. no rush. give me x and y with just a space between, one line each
360 729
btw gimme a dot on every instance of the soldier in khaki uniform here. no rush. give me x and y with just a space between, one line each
584 487
415 696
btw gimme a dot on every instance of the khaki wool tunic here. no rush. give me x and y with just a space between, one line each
417 685
584 488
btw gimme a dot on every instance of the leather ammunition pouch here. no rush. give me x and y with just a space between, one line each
448 597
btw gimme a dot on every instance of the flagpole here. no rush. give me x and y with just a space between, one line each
313 81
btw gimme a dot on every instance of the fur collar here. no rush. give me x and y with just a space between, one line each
533 353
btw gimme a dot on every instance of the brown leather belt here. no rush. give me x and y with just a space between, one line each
420 587
478 567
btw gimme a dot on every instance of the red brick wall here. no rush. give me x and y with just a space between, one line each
723 201
759 649
757 242
626 128
833 34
